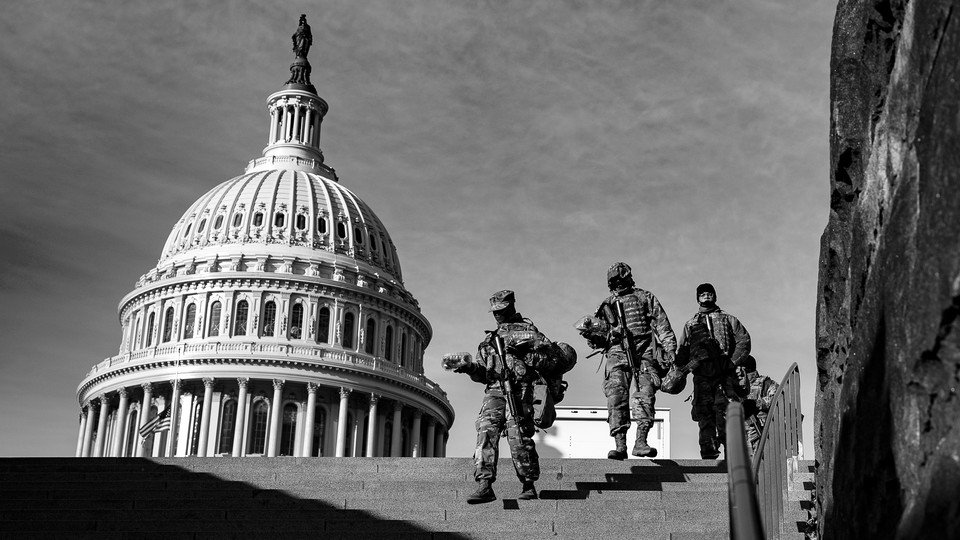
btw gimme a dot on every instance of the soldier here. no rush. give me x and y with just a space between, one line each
645 318
716 342
508 399
760 391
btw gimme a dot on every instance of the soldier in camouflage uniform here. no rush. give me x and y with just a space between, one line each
760 391
645 318
527 351
718 343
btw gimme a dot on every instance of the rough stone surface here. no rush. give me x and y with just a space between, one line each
888 331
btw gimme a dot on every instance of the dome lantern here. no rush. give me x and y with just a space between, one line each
296 113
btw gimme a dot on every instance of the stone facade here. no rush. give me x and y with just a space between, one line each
888 332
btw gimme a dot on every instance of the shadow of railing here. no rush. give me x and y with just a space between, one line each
107 498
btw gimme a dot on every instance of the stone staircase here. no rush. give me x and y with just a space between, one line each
354 498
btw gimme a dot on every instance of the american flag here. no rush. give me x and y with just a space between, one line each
157 424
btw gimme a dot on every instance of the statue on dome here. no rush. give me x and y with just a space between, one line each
302 38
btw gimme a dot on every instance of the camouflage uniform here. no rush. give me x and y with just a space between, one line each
714 380
522 341
645 317
760 391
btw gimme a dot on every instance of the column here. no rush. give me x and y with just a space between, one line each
415 433
297 115
372 427
144 414
241 416
286 124
276 406
121 422
83 429
273 126
311 418
342 423
397 427
88 432
308 130
431 437
171 449
205 415
438 450
101 441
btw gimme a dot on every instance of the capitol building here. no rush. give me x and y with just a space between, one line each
275 322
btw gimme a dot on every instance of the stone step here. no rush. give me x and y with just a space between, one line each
356 498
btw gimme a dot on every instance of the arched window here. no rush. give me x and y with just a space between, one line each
240 328
348 330
136 336
168 325
387 438
348 448
371 337
323 332
269 318
258 219
388 346
186 231
373 243
148 441
288 431
195 418
301 222
341 230
228 421
403 349
296 321
258 427
217 223
150 329
279 219
319 431
237 219
203 225
357 236
132 433
214 319
189 321
322 225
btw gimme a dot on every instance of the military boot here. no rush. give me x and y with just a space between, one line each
484 493
620 452
529 492
641 448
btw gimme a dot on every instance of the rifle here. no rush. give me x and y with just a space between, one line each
627 341
506 383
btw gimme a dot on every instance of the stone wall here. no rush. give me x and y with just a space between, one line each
888 331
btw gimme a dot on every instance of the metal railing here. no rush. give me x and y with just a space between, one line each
780 442
741 483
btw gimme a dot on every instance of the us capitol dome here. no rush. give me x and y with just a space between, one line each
275 323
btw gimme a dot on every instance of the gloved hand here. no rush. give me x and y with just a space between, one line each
456 361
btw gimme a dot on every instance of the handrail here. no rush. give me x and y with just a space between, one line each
745 521
781 441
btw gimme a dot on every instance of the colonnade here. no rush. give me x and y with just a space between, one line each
236 417
295 122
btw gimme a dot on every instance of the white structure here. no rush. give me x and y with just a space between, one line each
582 432
275 322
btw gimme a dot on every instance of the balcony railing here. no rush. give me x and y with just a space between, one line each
318 354
780 442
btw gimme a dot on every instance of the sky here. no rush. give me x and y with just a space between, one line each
522 145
